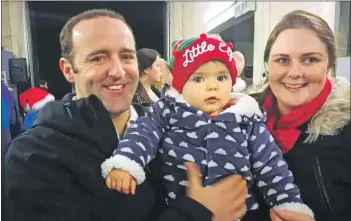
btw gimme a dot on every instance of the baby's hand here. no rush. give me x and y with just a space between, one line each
121 181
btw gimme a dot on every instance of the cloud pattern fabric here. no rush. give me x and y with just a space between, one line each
226 144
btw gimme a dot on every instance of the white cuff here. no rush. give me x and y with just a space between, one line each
295 207
123 163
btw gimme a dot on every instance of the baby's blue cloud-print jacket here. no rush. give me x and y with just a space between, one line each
234 142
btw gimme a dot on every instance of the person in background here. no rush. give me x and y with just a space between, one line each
149 65
53 171
44 85
5 58
167 77
159 85
11 125
32 101
309 114
164 70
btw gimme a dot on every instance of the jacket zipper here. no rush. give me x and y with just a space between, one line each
321 185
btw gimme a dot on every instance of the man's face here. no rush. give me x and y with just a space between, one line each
104 61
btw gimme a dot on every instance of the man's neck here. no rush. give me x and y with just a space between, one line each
77 95
120 122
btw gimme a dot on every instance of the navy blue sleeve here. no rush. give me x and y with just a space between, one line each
271 172
139 144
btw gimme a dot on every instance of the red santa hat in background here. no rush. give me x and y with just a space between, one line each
35 99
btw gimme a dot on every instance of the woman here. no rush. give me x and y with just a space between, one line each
166 72
308 114
167 77
149 63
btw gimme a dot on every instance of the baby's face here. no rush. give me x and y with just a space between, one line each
209 87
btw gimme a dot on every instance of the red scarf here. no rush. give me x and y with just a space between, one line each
285 130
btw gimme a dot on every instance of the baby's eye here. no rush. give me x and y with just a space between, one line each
198 79
222 78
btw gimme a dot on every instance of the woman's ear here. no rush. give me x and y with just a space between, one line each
147 70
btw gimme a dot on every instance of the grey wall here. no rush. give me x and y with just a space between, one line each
242 36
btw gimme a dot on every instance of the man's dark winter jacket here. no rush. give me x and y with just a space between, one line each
53 172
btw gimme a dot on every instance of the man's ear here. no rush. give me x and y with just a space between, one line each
67 70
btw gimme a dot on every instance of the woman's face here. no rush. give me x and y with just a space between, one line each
167 75
154 72
297 67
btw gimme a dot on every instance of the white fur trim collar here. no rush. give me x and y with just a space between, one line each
334 114
295 207
239 85
245 105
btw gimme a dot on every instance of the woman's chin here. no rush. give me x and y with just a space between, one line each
295 102
293 99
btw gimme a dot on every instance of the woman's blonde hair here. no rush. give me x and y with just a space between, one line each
164 80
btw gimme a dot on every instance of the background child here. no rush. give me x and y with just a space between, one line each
32 101
198 122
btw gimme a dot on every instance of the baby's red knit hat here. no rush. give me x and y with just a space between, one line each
189 54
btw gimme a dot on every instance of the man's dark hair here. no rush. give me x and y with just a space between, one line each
66 41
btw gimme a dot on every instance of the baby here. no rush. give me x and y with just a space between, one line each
201 123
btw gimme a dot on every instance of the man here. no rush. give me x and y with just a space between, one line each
54 168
